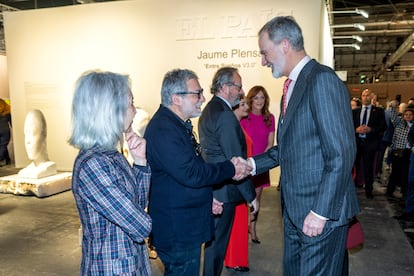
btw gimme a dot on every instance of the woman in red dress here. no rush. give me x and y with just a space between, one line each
260 126
237 254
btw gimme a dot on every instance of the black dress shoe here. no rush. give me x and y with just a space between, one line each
391 196
256 241
406 216
359 186
241 268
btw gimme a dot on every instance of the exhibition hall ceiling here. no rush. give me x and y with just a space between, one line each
386 51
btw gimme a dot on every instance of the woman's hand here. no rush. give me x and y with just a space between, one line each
137 147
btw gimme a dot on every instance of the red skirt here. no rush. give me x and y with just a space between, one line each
237 253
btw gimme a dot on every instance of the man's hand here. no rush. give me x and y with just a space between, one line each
217 207
251 163
363 129
313 226
241 167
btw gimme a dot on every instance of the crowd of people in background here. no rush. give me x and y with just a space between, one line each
387 143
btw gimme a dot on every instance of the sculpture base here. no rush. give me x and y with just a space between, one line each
46 186
45 169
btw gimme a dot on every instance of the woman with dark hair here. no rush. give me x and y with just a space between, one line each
237 254
355 103
260 126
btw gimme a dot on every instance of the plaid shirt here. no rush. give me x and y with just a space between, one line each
401 129
111 197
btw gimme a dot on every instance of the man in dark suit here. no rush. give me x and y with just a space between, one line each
181 197
315 150
221 137
369 124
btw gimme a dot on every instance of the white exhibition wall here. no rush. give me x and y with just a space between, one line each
326 49
47 50
4 83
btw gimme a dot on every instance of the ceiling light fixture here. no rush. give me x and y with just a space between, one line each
357 11
356 37
356 46
356 25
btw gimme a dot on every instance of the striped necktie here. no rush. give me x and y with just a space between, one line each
285 90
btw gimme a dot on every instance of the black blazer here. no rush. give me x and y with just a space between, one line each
181 184
222 138
376 122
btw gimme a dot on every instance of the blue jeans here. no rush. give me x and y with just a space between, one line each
181 262
409 198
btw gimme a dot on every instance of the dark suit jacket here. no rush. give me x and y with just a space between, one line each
410 136
222 138
377 124
315 149
181 184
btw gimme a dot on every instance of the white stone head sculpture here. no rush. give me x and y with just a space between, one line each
35 132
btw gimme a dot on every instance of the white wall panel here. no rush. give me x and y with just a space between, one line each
47 49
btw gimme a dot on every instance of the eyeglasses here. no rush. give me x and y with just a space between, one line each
239 87
199 93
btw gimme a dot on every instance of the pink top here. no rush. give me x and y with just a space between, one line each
256 128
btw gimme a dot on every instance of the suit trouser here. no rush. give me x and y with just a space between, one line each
399 172
380 156
367 154
215 250
321 255
409 198
4 141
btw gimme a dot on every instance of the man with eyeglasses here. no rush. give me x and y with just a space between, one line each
221 137
181 201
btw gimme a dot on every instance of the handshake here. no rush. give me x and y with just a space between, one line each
242 167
